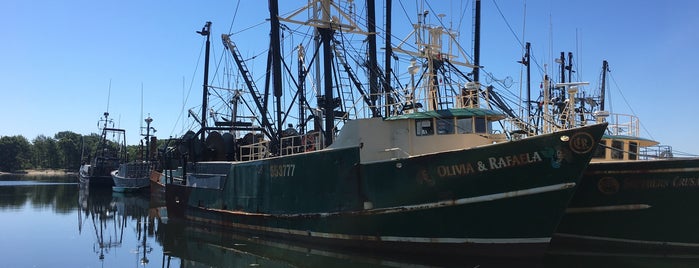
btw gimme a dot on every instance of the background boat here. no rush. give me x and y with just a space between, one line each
136 176
636 195
132 177
109 153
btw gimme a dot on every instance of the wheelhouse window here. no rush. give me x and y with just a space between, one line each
481 125
424 127
633 150
445 126
617 149
464 125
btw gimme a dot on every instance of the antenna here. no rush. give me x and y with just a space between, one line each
109 93
141 125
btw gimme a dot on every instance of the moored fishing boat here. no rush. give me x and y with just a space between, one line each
492 199
436 179
135 176
631 205
132 176
108 155
635 194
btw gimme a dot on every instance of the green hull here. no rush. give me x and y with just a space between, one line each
635 204
503 199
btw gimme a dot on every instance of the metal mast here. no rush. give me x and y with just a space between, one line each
605 69
275 50
326 26
477 41
387 65
206 31
373 64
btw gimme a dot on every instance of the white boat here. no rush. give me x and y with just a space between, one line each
132 177
135 176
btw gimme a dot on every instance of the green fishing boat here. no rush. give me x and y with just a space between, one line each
429 172
636 195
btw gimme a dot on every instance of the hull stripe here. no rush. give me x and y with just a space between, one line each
444 240
477 199
608 208
425 206
627 241
643 171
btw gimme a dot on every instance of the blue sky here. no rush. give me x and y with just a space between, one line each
58 58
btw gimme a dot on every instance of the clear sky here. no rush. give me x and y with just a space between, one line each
64 63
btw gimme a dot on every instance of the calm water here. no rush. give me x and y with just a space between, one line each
52 222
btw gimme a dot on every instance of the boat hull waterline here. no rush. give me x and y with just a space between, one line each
95 181
503 199
634 204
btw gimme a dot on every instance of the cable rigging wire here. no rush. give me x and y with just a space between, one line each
627 104
188 91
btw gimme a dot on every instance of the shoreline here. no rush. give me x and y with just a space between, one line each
39 172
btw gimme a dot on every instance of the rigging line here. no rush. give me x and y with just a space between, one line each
463 13
536 62
522 67
406 12
258 54
508 24
218 66
501 83
191 84
683 153
250 27
235 14
628 105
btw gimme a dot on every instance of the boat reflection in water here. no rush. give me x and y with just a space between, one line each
111 216
132 231
199 246
193 245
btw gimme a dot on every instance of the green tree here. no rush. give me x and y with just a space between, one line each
46 153
14 153
70 145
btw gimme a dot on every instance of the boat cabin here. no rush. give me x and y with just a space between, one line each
622 147
420 133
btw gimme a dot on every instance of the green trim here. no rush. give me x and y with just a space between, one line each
451 113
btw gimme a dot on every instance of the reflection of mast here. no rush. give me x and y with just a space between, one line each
100 209
103 216
143 247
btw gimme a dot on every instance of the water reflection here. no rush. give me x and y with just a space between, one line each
201 246
127 230
197 246
18 191
107 216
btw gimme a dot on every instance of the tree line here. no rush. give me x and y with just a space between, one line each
65 150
